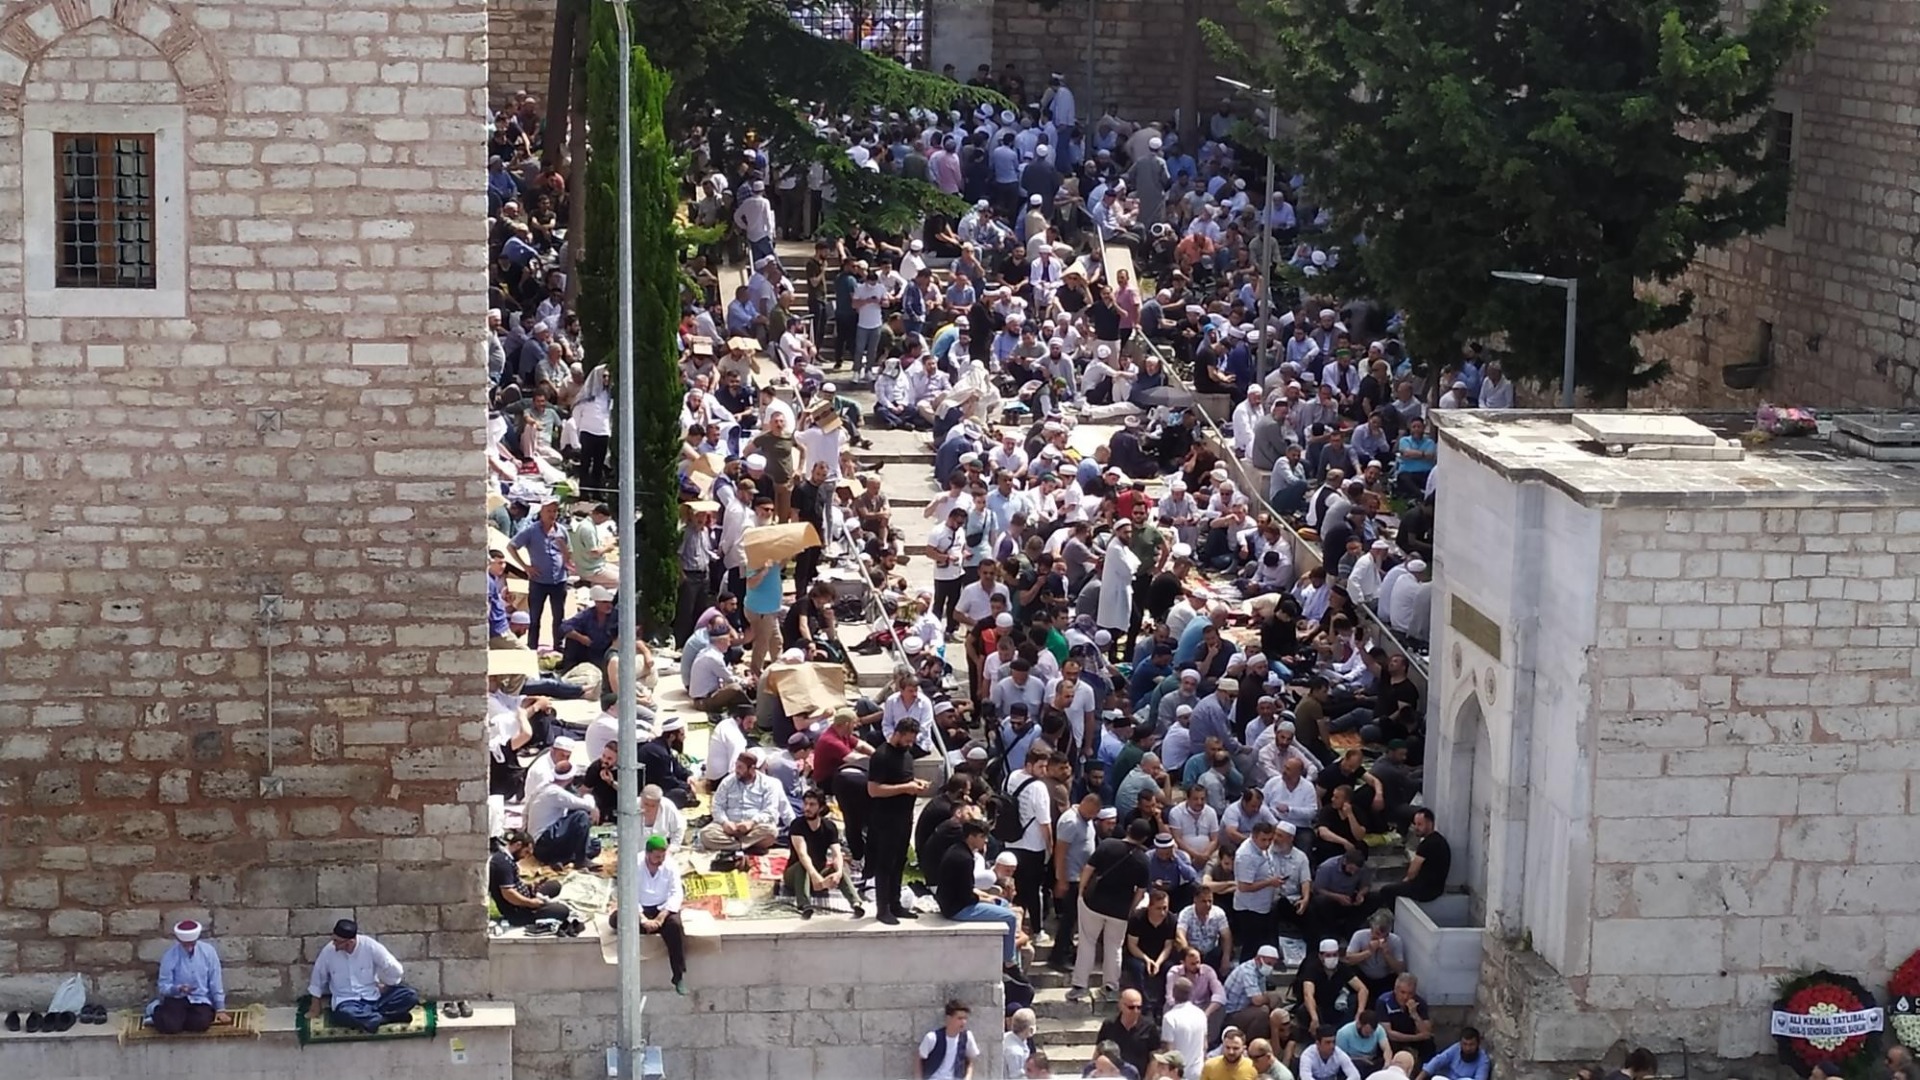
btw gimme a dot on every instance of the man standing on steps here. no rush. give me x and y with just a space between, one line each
754 219
891 789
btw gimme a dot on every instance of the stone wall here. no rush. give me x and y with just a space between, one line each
1836 281
519 48
239 650
1148 57
1703 712
771 1000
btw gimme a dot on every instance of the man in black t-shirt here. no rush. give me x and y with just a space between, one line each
1432 861
891 789
1150 935
1323 975
519 905
1110 887
816 862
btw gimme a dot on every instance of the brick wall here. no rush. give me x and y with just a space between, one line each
305 425
519 48
1148 58
1836 280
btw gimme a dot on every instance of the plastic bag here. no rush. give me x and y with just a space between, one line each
70 997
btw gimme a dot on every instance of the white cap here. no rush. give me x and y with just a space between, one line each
1190 673
829 388
913 646
1003 620
1102 638
600 594
1102 353
1154 143
916 245
1042 150
187 930
756 462
1417 566
1183 551
1034 199
1183 710
1287 828
1268 952
1006 858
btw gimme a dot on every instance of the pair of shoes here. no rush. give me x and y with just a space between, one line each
859 912
1078 995
724 862
572 928
59 1021
456 1009
93 1014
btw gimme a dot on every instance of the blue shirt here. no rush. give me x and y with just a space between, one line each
1145 677
1423 445
497 624
545 565
600 632
1190 640
1349 1039
1449 1063
199 969
764 598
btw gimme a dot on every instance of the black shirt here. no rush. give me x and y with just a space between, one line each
1136 1044
1118 869
1152 938
1436 861
891 764
503 873
1326 984
953 885
819 840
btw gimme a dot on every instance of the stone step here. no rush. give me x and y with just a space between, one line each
1051 1005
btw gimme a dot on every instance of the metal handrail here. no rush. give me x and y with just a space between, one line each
1306 555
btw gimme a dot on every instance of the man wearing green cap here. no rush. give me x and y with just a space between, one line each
661 895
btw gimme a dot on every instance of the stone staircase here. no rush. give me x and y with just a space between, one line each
1065 1030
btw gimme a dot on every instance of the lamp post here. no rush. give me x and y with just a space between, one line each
1572 285
1265 261
631 835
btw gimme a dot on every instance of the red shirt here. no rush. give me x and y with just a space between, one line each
829 753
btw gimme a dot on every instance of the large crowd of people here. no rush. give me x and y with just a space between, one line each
1172 659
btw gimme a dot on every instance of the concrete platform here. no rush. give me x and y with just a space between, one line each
1627 429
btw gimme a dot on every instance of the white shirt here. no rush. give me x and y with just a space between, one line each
1407 596
669 822
870 315
1388 585
1299 804
921 709
552 803
661 889
755 217
1193 831
1312 1067
976 602
539 776
1363 584
960 1050
1036 809
1496 395
1184 1028
1013 1050
821 446
356 975
724 745
953 543
1079 709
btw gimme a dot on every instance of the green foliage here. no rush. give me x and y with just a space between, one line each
1605 141
745 66
657 244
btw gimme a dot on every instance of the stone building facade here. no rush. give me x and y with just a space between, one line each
242 273
520 39
1832 297
1673 732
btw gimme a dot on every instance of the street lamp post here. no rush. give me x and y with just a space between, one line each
1572 285
1265 261
627 884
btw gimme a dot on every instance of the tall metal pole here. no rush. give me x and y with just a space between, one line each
1566 360
1265 356
627 887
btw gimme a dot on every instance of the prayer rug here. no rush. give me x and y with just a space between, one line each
421 1025
240 1024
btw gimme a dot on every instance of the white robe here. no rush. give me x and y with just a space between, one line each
1116 586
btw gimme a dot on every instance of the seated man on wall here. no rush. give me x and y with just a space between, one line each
661 896
519 904
193 993
363 979
748 810
560 820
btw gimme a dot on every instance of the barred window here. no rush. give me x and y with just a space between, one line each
104 211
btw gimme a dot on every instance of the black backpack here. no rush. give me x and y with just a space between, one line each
1008 826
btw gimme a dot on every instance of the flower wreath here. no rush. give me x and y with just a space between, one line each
1903 990
1818 994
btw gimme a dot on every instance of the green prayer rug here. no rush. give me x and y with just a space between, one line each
420 1025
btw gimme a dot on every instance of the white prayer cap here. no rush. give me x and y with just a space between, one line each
1381 545
1325 312
1196 309
1006 116
1183 551
793 656
829 388
981 205
1154 143
1034 199
756 462
859 154
1003 620
187 930
1102 638
1190 673
1056 343
1417 566
1319 258
1103 352
599 593
1178 484
1042 150
1287 827
1182 710
913 646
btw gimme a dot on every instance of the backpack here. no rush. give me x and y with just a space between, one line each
1008 826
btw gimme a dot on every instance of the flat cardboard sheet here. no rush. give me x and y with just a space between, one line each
499 541
777 543
809 689
513 662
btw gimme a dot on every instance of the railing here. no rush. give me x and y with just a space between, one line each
1306 554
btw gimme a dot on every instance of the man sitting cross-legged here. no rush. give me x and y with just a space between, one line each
816 862
748 810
